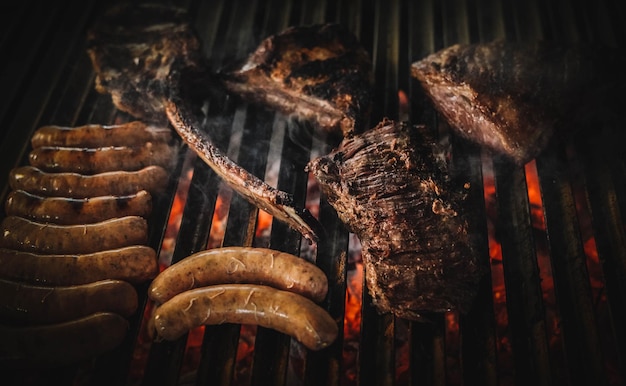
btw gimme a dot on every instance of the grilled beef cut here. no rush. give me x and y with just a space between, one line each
148 58
133 48
392 187
319 73
513 97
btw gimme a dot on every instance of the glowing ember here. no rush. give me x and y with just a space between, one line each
193 351
553 321
175 218
354 293
352 323
503 341
245 351
454 373
220 215
534 196
404 107
264 224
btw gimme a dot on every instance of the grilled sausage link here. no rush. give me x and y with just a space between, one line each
120 183
127 134
241 265
135 264
61 343
36 304
102 159
71 211
25 235
284 311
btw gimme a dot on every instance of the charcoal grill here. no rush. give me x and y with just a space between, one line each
552 311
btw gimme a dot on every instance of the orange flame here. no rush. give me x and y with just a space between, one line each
534 196
218 223
354 293
352 322
263 223
503 342
404 106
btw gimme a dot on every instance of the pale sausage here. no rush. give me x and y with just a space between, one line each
102 159
71 211
284 311
135 264
119 183
125 134
241 265
29 236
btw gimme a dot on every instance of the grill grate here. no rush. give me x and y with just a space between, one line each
526 332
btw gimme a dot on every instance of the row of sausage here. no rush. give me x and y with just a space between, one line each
74 240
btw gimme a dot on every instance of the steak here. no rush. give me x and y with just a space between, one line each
148 58
392 187
512 98
319 73
133 49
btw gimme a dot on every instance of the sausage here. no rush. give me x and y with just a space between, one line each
38 304
102 159
284 311
127 134
71 211
25 235
135 264
59 344
74 185
241 265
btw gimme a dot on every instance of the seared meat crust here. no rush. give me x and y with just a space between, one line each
392 188
513 97
317 73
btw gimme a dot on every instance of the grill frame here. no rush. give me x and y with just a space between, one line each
52 82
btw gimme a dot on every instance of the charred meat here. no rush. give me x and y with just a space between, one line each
133 48
276 202
148 58
513 97
320 74
392 187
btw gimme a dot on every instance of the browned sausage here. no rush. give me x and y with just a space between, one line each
61 343
121 183
103 159
36 304
126 134
284 311
29 236
241 265
135 264
70 211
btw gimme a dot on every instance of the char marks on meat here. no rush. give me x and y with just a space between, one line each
148 58
276 202
133 48
392 187
513 97
319 73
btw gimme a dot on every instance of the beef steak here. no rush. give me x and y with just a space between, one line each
513 97
133 48
391 186
319 73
